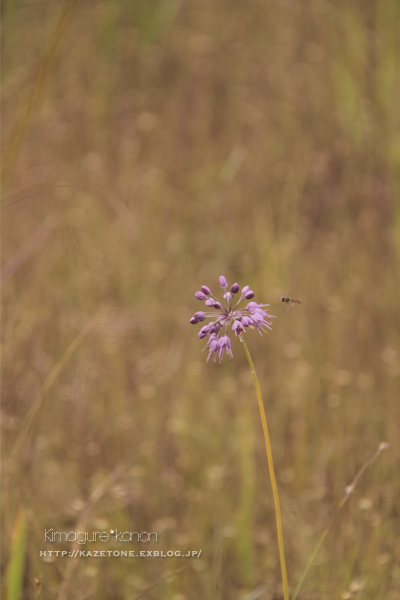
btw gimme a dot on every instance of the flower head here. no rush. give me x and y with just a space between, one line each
228 316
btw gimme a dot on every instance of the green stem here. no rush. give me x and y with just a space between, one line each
271 474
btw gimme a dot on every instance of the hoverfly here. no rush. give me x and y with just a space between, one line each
289 301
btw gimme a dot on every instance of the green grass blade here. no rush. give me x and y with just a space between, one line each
15 573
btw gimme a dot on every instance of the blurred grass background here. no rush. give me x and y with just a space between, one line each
171 142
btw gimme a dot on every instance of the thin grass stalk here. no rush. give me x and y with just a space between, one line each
31 101
349 490
49 382
9 495
271 473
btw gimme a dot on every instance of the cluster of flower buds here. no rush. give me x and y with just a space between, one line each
252 316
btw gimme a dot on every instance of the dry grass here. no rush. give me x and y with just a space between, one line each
173 142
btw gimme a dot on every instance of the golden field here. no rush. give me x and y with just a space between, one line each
149 147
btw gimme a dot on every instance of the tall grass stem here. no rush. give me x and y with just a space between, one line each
31 101
349 490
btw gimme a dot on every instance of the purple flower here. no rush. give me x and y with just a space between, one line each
228 315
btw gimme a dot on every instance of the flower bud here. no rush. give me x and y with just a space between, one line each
223 282
249 295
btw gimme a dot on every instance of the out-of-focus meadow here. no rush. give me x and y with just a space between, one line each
168 142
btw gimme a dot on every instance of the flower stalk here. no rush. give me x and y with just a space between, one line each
271 472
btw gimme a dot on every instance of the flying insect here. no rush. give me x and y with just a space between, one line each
289 300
